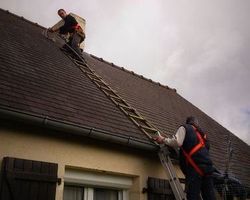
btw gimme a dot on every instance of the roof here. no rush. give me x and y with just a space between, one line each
167 110
36 77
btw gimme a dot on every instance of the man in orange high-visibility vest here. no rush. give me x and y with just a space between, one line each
195 161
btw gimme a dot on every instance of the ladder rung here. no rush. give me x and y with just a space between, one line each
86 70
91 72
92 75
136 117
95 79
115 101
106 88
148 128
83 65
126 107
114 97
103 85
108 91
78 61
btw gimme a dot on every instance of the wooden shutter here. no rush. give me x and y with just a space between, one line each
159 189
28 180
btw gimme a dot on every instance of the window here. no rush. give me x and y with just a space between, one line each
73 193
85 193
104 194
81 185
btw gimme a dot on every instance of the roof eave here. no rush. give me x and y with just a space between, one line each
74 129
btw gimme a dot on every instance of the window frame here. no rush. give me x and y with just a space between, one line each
90 180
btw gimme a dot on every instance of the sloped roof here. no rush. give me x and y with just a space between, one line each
167 110
37 77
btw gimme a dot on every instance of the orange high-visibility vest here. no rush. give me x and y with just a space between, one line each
196 148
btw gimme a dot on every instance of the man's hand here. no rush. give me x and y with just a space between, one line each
159 138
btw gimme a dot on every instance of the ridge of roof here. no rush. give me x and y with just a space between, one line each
22 18
132 72
98 58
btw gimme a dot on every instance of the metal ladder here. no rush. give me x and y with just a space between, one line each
169 168
148 129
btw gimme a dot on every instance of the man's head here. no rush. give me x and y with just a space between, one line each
62 13
192 121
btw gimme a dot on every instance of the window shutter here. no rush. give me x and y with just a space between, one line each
27 179
159 189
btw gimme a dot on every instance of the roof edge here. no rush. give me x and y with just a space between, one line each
22 18
131 72
11 114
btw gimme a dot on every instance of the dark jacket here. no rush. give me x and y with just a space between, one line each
69 23
201 157
69 26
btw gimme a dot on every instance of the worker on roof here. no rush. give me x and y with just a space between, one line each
194 156
70 26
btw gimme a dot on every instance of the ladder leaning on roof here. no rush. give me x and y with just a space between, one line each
148 129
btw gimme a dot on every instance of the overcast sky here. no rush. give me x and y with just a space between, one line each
199 47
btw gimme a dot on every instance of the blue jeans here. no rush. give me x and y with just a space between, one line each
74 42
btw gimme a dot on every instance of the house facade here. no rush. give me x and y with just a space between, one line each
84 164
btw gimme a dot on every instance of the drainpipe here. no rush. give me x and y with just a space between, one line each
75 129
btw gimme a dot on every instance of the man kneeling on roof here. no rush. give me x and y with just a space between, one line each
71 26
195 161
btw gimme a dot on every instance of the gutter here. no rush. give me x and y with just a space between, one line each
74 129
